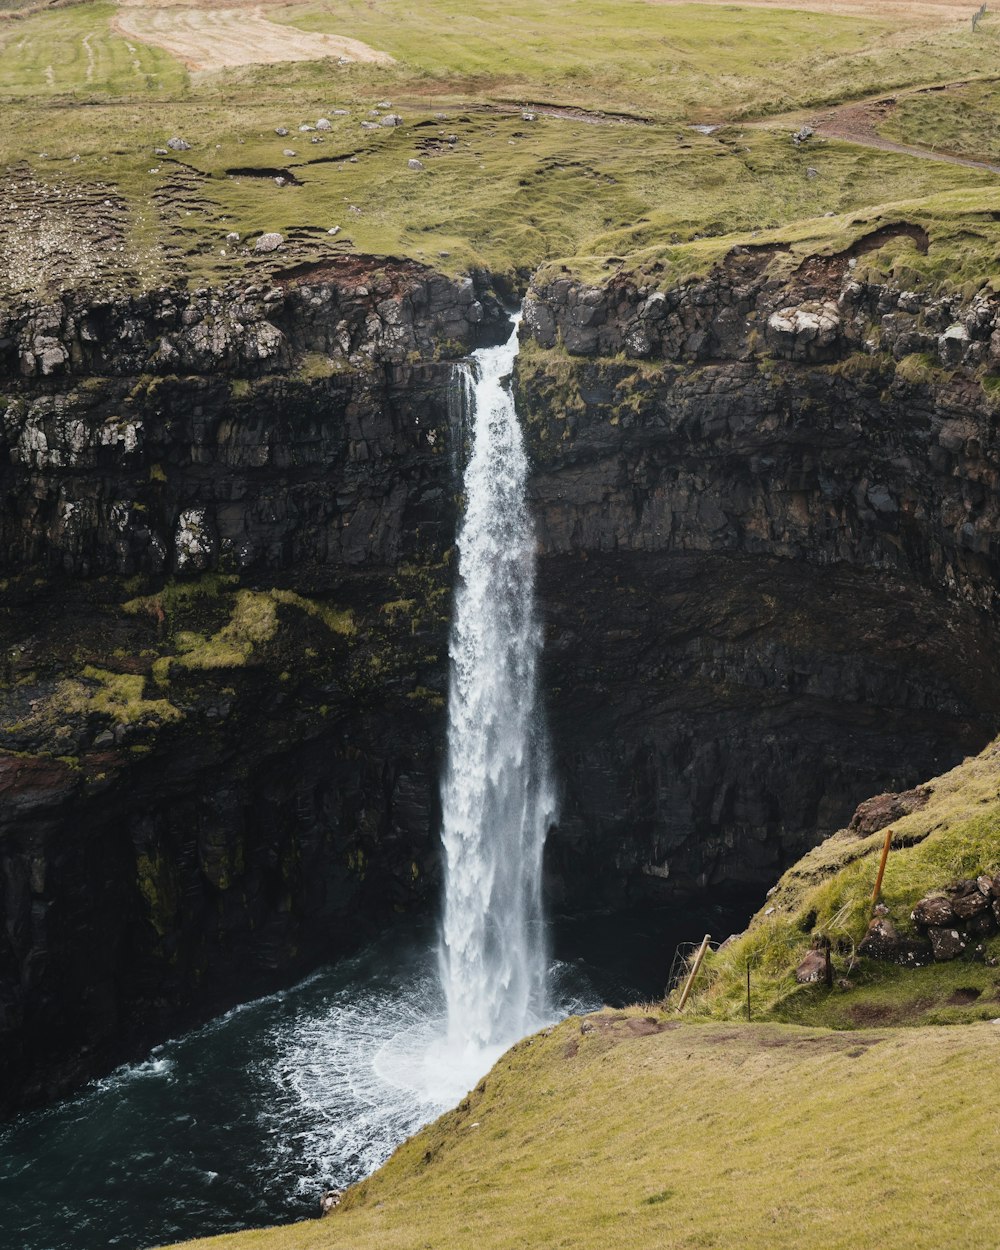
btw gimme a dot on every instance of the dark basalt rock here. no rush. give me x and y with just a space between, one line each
878 812
768 584
883 942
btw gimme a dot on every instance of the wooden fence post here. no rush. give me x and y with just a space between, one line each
881 868
694 970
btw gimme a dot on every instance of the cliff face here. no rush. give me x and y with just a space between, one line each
768 515
768 573
224 646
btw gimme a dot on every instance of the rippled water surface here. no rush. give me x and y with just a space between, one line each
242 1122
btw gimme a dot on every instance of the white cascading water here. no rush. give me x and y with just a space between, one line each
390 1050
496 793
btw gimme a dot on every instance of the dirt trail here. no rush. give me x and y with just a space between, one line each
859 122
214 39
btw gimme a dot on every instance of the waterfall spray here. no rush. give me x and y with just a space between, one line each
497 796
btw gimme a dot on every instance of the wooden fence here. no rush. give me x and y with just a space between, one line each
978 17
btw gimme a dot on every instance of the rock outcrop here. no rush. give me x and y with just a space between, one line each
768 576
761 539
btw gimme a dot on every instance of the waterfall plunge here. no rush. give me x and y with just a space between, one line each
496 793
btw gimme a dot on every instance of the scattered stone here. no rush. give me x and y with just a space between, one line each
324 123
392 119
934 909
232 237
105 739
882 942
369 125
874 814
334 230
341 112
288 152
160 152
384 104
306 127
802 134
811 172
413 163
281 130
947 943
281 182
529 117
178 145
269 242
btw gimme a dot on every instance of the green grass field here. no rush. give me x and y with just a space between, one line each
734 1137
85 109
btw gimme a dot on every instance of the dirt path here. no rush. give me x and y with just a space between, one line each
859 123
213 39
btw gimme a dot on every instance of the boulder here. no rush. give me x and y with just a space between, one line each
178 145
324 123
813 967
413 163
967 900
269 242
934 909
808 331
947 943
882 942
952 344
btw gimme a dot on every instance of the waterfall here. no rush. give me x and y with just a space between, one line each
497 796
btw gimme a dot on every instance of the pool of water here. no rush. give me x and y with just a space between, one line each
244 1121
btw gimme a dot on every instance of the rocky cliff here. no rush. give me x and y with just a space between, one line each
765 503
225 535
768 509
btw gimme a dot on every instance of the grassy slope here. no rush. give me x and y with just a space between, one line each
964 120
742 1138
508 194
956 835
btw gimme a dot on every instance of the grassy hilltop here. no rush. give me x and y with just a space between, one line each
608 170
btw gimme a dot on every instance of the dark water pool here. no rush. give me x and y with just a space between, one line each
243 1121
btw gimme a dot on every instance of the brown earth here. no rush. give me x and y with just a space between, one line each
216 38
